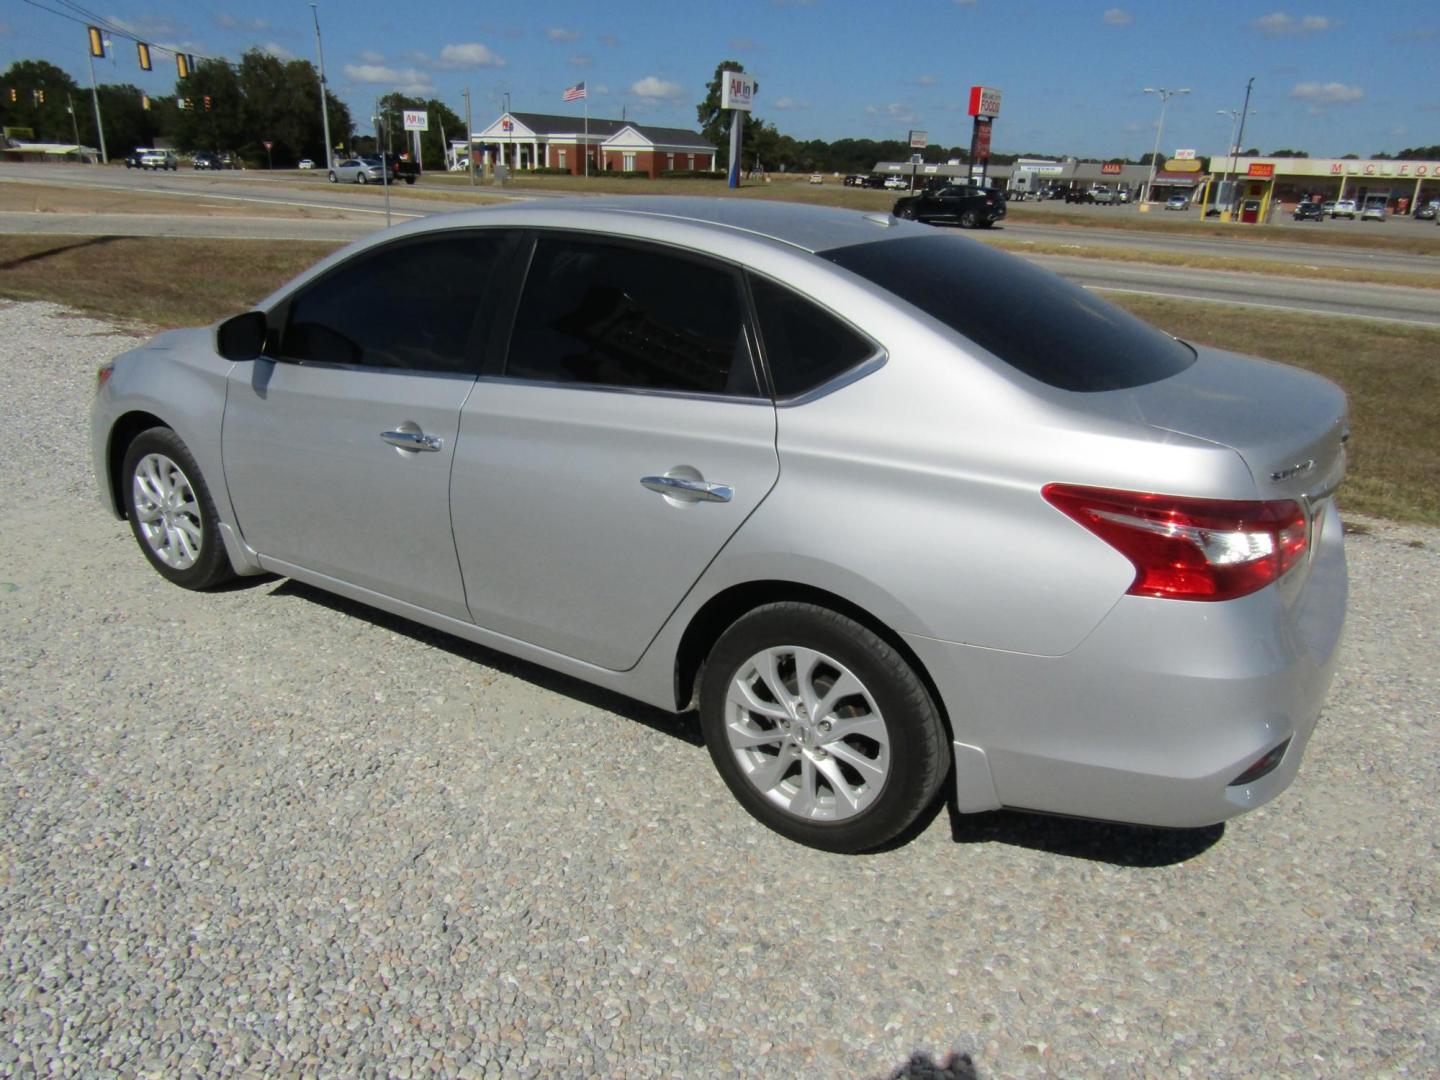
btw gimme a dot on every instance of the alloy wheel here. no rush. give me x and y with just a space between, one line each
167 511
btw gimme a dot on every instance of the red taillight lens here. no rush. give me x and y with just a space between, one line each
102 376
1190 549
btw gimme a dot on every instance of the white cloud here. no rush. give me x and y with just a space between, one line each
558 33
278 51
652 89
370 56
1331 93
927 80
1283 24
471 54
147 27
1118 17
789 103
896 111
229 22
579 60
405 80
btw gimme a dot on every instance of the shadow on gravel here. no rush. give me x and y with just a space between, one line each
1099 841
681 727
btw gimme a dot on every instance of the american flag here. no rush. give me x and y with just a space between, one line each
575 93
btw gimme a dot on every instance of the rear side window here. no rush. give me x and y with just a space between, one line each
805 346
411 305
1036 321
632 316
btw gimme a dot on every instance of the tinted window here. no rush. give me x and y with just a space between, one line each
1033 320
621 315
408 305
805 345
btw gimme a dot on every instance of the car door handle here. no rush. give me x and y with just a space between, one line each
413 440
680 487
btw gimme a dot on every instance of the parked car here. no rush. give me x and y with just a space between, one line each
1308 211
897 183
305 163
1104 196
856 180
1074 195
1375 209
206 160
360 171
1328 208
1344 208
132 159
890 506
1425 212
817 178
1177 202
953 204
159 159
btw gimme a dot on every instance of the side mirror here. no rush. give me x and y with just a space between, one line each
243 337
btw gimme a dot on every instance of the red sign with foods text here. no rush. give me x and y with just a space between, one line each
1261 170
980 144
984 101
1110 168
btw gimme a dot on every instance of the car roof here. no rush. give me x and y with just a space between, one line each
809 228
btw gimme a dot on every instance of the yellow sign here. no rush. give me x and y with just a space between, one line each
1182 165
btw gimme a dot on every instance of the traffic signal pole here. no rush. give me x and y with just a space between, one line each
95 98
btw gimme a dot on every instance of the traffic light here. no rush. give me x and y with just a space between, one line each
182 65
14 95
145 101
184 103
97 42
144 51
207 102
40 97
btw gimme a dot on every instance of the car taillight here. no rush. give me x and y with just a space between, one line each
102 376
1190 549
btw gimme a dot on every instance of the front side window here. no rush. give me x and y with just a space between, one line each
621 315
411 305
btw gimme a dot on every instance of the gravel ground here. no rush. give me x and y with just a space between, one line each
267 832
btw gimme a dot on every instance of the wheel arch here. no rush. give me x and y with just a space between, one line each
721 611
122 434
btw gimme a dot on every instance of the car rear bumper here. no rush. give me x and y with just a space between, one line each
1156 714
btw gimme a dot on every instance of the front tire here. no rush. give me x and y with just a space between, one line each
332 177
821 729
172 513
361 178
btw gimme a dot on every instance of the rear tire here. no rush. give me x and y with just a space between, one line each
821 730
968 219
171 511
332 177
361 178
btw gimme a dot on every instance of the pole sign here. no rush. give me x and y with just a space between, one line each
984 101
918 140
1184 155
417 120
737 91
269 145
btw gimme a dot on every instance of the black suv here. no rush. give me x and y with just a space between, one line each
1308 211
954 204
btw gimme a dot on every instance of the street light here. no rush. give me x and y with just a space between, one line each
1165 96
324 103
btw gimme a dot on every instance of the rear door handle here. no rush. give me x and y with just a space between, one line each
679 487
413 440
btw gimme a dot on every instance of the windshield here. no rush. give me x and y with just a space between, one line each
1035 321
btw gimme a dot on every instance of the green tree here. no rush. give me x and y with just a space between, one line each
444 125
29 81
715 122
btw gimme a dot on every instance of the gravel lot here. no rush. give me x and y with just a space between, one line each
263 831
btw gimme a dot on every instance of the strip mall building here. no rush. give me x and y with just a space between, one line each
521 141
1287 181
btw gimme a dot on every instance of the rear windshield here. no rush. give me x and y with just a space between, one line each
1034 320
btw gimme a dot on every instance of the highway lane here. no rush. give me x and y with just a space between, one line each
363 213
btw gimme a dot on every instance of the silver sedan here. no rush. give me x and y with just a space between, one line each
359 171
897 513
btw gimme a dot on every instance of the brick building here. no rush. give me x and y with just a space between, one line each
524 141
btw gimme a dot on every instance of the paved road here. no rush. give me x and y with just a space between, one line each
362 211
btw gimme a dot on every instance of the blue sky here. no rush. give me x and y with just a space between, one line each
1329 78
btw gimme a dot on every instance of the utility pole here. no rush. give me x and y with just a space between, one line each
1239 142
324 104
95 99
74 124
469 139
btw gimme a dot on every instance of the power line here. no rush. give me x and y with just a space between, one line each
84 17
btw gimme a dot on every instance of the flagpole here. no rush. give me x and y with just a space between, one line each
587 132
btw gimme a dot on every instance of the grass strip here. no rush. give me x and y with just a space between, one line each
1389 371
